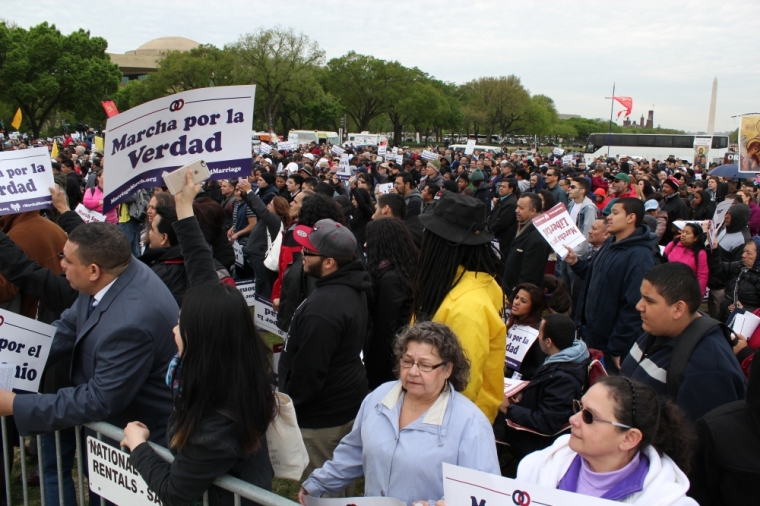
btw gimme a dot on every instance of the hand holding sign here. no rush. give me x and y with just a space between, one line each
184 199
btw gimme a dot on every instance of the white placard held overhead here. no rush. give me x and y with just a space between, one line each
558 151
167 133
286 146
265 148
25 343
429 155
519 340
337 150
559 229
470 147
88 215
25 176
384 188
382 149
344 169
468 487
720 212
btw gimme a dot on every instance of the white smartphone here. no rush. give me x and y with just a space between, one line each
175 181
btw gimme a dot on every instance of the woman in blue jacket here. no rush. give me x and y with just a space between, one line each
405 429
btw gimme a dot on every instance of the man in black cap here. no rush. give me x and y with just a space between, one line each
320 367
674 206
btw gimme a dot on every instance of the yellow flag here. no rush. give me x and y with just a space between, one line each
54 152
17 119
99 144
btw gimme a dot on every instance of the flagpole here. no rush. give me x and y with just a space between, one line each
612 108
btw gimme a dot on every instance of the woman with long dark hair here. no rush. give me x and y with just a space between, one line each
223 401
688 247
704 208
528 304
457 283
391 262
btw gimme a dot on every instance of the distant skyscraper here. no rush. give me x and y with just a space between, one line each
641 121
650 120
713 99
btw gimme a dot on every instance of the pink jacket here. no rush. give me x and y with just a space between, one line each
91 200
677 252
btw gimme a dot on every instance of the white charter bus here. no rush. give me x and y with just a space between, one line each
658 146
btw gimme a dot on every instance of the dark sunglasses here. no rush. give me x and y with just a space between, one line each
308 253
589 418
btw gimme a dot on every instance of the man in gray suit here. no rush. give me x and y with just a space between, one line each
120 331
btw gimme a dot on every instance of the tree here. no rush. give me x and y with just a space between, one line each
42 70
277 61
501 102
540 116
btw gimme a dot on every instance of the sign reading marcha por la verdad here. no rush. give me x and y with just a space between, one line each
211 124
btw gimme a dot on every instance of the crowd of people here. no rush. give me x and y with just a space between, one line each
399 302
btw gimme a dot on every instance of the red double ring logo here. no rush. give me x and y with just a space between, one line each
520 498
176 105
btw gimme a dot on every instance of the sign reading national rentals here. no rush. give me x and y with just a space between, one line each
25 176
113 477
162 135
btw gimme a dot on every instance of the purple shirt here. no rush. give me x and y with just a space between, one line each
614 486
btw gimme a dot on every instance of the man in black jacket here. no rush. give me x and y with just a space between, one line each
503 221
320 367
674 206
528 253
546 404
73 183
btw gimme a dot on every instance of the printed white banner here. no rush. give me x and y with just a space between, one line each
248 288
429 155
113 478
266 317
25 343
470 147
567 159
25 176
286 146
558 151
353 501
265 148
337 150
463 486
382 149
559 230
167 133
519 340
88 215
344 169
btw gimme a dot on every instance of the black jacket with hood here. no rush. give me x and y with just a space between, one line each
320 367
726 467
730 244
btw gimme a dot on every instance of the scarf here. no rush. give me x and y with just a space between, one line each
575 354
172 374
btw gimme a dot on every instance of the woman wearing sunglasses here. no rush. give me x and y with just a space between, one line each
625 445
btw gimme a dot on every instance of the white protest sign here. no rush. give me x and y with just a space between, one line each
559 230
13 135
239 256
25 343
567 159
25 176
286 146
293 138
378 159
720 213
381 150
384 188
399 159
470 147
344 169
265 148
558 151
337 150
88 215
462 486
113 478
167 133
394 150
266 317
429 155
353 501
248 288
519 340
256 149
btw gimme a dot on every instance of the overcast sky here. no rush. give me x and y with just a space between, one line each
664 54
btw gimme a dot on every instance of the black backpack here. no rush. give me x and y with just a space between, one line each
685 347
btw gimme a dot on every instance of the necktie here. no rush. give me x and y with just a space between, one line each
92 305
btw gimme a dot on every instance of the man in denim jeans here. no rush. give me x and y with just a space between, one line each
130 212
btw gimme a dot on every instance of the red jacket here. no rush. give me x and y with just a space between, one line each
286 258
599 182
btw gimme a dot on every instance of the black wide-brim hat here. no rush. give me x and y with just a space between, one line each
459 218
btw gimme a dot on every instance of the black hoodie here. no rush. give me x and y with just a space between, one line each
320 367
726 467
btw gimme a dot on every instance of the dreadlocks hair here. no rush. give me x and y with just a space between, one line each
437 268
389 241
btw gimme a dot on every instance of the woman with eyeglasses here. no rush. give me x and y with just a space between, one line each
406 429
625 445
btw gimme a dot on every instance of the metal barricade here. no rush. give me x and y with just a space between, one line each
239 488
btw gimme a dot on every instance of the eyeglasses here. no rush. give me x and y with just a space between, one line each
407 364
308 253
573 187
589 418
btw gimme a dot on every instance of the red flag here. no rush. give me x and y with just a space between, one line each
111 109
626 102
